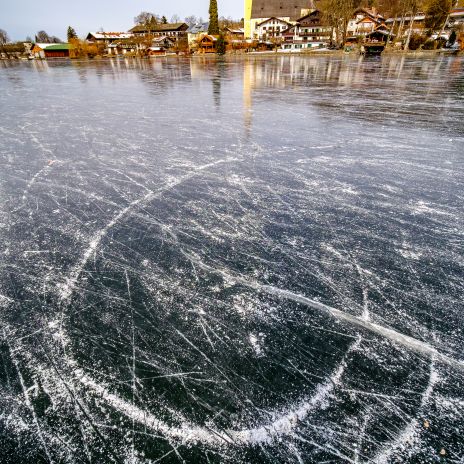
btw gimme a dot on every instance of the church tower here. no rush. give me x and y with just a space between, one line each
247 18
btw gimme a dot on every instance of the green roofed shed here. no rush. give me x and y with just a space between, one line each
57 50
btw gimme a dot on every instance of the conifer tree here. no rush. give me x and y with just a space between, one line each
213 28
71 33
221 45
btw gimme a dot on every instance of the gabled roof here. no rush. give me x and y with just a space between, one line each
235 31
109 35
43 46
272 18
316 13
371 13
163 38
380 32
160 27
209 37
198 28
368 19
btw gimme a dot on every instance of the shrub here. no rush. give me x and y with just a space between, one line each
416 41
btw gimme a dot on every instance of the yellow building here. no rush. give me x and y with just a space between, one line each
257 11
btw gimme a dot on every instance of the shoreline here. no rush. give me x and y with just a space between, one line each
314 53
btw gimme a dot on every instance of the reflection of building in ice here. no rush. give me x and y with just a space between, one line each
247 97
351 72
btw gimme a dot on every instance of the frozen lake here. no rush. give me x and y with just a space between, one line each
222 261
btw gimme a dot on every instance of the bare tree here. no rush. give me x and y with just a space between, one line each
411 8
42 37
191 20
4 39
337 14
437 12
175 19
229 22
145 18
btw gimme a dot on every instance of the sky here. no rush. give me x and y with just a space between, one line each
22 18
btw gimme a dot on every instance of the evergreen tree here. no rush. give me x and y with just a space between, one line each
221 45
213 28
164 20
71 33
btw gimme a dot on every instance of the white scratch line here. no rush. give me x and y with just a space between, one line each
405 340
68 288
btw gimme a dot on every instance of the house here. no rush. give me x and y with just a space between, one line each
121 48
418 24
310 31
196 32
456 17
207 44
48 50
175 30
107 37
363 22
378 36
257 11
57 51
235 34
271 28
164 42
156 51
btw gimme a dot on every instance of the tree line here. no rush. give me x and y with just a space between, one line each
338 13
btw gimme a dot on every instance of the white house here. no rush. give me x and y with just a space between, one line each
364 21
271 28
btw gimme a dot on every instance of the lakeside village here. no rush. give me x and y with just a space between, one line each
268 26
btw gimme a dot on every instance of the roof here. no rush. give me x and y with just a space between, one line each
368 19
292 9
315 15
418 17
209 37
57 47
197 28
43 46
163 38
369 12
235 31
110 35
273 18
160 27
457 12
381 32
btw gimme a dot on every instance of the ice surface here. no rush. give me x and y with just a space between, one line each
242 260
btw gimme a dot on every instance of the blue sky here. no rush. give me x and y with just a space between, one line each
21 18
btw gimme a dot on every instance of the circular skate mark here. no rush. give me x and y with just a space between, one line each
152 331
200 353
